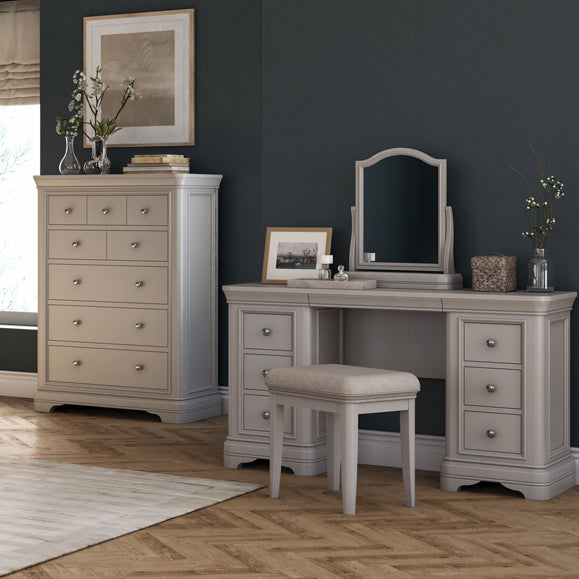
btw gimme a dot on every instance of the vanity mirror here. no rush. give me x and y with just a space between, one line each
402 229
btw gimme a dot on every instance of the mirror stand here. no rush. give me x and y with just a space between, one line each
448 279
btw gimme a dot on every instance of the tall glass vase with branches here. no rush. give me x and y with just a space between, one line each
538 209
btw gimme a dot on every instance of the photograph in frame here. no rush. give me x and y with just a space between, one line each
293 252
156 48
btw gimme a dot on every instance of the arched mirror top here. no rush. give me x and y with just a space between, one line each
401 221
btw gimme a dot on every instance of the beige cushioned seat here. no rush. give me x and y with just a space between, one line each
342 382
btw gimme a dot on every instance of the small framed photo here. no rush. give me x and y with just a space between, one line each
292 252
157 49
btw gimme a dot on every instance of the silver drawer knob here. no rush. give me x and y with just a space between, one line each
76 282
491 433
265 414
76 362
139 283
491 342
68 211
75 243
105 211
76 322
264 373
139 367
266 331
144 211
135 244
490 388
139 326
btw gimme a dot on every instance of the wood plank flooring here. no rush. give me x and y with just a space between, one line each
483 532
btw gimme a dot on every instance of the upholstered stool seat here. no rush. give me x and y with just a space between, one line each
343 392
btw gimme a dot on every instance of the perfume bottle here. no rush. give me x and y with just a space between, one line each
325 273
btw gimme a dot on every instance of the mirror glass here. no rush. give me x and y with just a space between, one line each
401 210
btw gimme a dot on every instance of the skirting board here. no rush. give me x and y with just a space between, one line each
374 447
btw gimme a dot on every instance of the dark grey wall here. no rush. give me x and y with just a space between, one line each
291 92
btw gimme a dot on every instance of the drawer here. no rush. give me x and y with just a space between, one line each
130 326
66 210
147 210
70 244
496 387
137 245
106 283
256 366
267 331
124 368
493 343
490 432
256 414
107 210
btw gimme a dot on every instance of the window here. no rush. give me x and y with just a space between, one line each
19 159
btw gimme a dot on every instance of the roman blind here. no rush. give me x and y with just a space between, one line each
19 52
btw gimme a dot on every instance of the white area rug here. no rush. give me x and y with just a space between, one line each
49 509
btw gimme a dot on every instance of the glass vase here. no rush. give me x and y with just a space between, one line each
69 164
91 167
104 161
540 272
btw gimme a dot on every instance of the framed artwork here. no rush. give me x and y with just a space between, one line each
157 49
292 252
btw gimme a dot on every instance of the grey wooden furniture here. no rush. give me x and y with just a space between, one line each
342 393
505 359
127 293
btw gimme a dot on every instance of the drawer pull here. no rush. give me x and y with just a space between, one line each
76 362
265 414
491 342
139 325
144 211
134 244
76 322
491 433
139 283
75 243
68 211
76 282
139 367
105 211
264 373
490 388
266 332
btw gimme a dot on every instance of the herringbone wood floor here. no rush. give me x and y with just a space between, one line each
481 533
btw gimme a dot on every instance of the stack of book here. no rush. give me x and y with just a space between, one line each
157 164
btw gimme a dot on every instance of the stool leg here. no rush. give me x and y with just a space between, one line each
349 448
333 450
407 447
275 445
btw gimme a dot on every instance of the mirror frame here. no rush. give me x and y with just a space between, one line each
400 266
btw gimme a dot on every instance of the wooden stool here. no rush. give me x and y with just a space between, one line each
345 391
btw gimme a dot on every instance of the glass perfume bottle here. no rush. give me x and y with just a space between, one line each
325 273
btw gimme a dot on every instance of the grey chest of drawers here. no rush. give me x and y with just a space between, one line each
127 294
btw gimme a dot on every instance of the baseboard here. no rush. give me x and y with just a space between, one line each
224 393
383 448
18 384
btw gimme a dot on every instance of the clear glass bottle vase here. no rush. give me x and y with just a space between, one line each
540 272
69 164
91 167
104 161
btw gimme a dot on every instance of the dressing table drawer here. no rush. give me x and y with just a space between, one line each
107 210
147 210
256 367
498 343
490 432
267 331
493 387
256 414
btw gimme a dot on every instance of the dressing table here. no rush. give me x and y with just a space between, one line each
504 357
